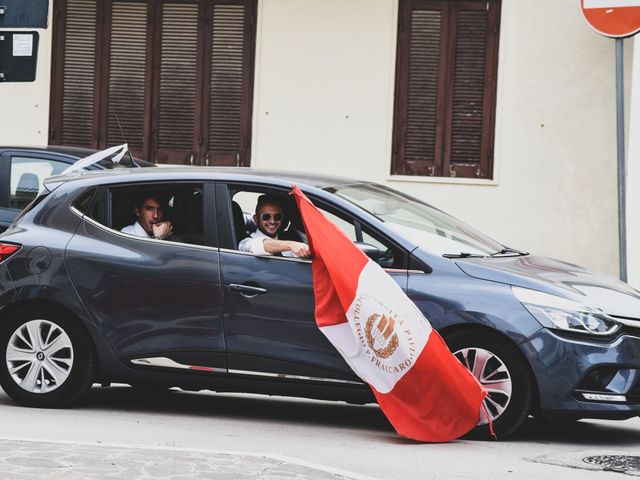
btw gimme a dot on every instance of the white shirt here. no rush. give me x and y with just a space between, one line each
254 243
137 230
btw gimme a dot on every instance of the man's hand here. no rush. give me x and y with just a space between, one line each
299 249
162 230
274 246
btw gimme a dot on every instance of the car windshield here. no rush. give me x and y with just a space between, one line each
427 226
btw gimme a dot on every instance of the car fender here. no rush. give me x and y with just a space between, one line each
472 302
56 298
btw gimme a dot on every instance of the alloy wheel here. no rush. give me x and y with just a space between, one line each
492 373
39 356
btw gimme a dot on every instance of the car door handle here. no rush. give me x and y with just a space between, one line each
247 290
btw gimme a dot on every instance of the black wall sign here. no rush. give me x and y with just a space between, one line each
23 13
18 56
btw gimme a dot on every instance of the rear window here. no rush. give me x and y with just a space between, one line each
30 207
84 201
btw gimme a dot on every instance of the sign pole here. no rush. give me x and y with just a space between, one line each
622 226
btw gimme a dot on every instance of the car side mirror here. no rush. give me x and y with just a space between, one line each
369 250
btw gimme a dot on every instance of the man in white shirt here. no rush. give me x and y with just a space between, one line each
264 241
151 223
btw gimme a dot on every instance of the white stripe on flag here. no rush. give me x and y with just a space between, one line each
386 332
610 3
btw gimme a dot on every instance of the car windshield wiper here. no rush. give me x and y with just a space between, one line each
463 255
509 251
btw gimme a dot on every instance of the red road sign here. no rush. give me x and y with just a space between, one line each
613 18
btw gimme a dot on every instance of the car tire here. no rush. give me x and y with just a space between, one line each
501 368
46 358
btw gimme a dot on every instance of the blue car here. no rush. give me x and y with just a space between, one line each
82 302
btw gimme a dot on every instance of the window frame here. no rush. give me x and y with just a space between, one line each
101 210
229 189
441 167
227 240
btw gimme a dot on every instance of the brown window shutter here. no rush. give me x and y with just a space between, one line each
228 115
78 93
177 74
126 74
422 91
445 88
177 82
470 113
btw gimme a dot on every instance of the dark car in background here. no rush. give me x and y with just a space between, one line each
23 170
82 302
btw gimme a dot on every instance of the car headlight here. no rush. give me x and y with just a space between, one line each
564 314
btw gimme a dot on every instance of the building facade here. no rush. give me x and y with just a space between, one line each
500 112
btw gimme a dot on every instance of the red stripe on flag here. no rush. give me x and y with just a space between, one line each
436 400
341 284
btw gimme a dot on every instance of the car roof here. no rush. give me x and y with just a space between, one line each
182 173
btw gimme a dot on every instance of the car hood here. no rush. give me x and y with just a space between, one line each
589 288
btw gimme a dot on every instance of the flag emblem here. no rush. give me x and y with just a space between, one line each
381 336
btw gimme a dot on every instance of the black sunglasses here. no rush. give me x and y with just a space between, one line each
267 216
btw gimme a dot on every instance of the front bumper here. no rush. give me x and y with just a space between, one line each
583 377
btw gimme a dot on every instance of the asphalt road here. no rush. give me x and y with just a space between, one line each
123 433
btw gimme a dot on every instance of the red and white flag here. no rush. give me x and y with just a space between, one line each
424 391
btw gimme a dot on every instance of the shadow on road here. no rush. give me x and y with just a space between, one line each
583 432
245 407
369 418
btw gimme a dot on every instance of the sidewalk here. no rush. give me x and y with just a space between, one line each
22 459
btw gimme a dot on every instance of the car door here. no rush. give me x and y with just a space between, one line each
156 302
269 322
21 177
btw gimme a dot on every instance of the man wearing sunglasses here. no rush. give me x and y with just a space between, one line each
269 219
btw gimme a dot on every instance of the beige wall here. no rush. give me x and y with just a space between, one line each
24 106
324 103
324 100
633 172
324 85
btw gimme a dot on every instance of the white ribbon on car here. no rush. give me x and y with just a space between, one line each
116 153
